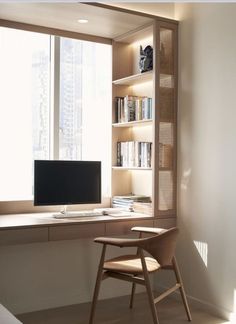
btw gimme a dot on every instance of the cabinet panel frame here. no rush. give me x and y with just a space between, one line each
159 24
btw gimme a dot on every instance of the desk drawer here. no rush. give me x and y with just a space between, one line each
23 236
72 232
165 223
124 227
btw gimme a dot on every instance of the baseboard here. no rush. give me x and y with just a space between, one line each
216 310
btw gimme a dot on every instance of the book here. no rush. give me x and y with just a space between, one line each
127 201
132 108
134 154
143 207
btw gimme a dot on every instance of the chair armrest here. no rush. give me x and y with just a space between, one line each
118 242
152 230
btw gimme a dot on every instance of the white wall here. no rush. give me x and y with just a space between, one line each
47 275
207 152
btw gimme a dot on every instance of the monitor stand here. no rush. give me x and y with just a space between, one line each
64 210
62 213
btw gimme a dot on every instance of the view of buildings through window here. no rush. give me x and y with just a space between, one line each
26 112
40 102
70 99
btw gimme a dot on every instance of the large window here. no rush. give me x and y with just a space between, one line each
24 109
73 125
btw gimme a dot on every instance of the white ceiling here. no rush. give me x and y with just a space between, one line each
102 22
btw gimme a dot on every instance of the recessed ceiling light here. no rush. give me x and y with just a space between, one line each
82 21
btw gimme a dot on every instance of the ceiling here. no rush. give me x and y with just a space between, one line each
102 21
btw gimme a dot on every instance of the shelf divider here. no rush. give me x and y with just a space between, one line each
143 122
130 168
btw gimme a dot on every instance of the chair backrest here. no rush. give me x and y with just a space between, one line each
161 246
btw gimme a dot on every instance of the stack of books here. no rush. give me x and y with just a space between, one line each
143 208
127 202
132 108
134 154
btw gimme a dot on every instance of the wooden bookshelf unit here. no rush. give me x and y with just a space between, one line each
157 180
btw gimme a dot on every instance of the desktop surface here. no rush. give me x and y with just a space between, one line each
17 221
113 212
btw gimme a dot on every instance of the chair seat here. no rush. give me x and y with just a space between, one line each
130 264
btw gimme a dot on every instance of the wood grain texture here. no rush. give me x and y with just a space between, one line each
124 228
71 232
54 31
23 236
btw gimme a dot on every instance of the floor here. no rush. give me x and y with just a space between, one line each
116 311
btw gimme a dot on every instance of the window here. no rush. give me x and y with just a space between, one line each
85 97
24 109
30 122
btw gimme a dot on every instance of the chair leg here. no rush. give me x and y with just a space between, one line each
182 291
131 303
149 290
132 295
97 285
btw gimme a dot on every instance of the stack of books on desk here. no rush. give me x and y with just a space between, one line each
142 208
127 201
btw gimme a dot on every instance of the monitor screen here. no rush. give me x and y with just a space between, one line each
67 182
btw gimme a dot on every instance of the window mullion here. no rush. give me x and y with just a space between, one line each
55 97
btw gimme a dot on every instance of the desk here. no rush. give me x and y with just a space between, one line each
6 317
42 227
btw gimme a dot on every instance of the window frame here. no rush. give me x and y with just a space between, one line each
26 206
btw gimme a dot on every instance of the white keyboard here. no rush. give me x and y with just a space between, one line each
78 214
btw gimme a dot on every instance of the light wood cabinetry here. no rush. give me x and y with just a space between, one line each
124 228
157 180
23 235
72 232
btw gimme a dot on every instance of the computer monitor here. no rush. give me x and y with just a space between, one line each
66 182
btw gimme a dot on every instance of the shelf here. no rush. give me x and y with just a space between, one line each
135 79
140 168
166 80
130 168
143 122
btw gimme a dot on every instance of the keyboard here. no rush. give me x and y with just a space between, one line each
78 214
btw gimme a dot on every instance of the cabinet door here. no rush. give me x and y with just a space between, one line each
124 227
167 110
165 223
23 236
72 232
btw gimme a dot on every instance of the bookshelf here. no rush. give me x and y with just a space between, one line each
135 79
133 123
157 180
130 168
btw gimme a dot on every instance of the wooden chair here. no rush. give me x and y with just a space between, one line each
136 268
